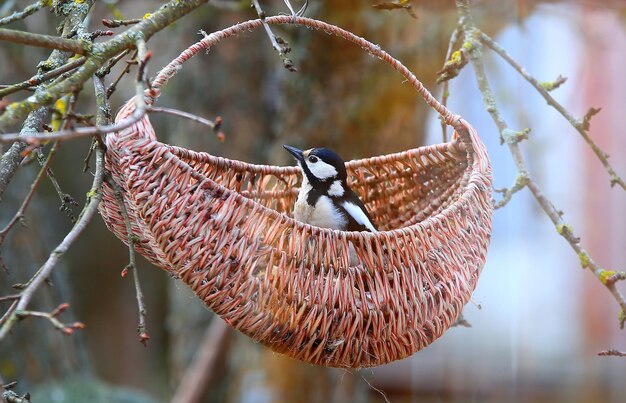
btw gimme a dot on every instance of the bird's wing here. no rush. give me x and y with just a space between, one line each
356 213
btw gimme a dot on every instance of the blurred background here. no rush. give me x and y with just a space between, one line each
542 319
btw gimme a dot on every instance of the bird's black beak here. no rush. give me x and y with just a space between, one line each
296 152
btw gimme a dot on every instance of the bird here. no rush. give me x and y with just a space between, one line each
325 199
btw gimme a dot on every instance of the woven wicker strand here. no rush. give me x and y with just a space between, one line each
224 227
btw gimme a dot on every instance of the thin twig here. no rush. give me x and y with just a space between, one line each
562 228
581 125
89 210
112 62
100 32
35 114
379 391
102 52
19 215
298 13
215 126
119 23
507 193
614 353
183 114
20 15
283 47
8 312
45 41
66 199
9 396
4 86
38 138
112 87
67 329
88 156
132 265
9 297
143 56
446 90
40 78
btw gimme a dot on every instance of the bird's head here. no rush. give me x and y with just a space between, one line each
320 165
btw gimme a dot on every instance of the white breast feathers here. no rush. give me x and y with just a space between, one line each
324 214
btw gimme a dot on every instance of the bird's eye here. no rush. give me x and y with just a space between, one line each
313 159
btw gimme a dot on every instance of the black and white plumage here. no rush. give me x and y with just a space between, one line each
325 200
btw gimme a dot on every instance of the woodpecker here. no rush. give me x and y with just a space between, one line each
325 200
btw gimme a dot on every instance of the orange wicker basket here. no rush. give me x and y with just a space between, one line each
224 228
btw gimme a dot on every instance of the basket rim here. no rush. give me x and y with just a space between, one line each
475 168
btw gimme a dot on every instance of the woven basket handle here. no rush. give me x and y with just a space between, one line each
174 66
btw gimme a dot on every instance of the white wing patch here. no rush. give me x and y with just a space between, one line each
336 189
358 215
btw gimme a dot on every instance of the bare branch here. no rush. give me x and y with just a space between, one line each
9 396
20 15
10 297
40 78
581 126
279 44
563 229
553 85
112 87
19 215
614 353
65 328
89 210
446 87
101 53
132 265
215 126
298 13
112 62
45 41
186 115
39 137
72 25
119 23
507 193
66 200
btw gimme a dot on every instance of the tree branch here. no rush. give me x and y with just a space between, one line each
614 353
283 47
100 54
45 41
214 125
76 133
72 25
19 215
93 199
20 15
40 78
446 83
581 125
563 229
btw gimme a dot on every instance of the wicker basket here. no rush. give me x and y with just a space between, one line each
224 228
